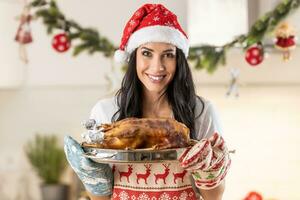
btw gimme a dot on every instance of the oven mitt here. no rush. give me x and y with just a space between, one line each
96 177
208 161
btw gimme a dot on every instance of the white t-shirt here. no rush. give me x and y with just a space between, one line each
205 125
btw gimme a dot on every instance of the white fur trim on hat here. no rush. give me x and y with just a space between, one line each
158 33
121 56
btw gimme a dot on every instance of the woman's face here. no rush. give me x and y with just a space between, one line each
156 65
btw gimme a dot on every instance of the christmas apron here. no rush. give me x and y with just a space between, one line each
152 181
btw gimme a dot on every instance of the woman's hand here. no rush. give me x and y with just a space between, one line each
208 161
97 178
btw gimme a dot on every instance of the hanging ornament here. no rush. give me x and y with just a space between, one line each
233 87
253 196
23 35
61 42
255 55
285 39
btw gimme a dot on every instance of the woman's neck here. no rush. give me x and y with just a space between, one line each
156 105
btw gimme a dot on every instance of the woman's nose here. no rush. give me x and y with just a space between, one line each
157 64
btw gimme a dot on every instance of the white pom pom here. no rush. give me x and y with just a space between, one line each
121 56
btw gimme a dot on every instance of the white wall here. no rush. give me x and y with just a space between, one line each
263 127
11 70
59 92
207 18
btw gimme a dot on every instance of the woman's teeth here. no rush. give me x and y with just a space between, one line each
156 78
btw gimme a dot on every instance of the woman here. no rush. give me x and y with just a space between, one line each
158 83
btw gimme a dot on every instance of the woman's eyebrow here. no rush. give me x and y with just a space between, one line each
167 50
147 49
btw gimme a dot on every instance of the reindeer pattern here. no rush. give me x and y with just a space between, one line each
163 175
150 174
126 173
144 175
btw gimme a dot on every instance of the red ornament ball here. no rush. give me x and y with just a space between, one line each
253 196
254 55
61 42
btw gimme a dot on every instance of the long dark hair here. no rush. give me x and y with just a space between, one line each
180 92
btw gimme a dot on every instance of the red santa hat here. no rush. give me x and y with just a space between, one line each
151 23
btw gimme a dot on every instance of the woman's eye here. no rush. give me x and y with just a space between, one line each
146 53
169 55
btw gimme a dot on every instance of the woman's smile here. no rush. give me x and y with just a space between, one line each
156 78
156 65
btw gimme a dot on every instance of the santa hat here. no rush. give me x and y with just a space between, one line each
151 23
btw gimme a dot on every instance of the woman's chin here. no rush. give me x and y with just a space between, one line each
155 89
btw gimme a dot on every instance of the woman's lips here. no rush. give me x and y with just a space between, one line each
156 78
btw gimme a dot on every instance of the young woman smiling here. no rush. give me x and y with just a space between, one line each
158 84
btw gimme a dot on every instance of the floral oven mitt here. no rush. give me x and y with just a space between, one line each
208 161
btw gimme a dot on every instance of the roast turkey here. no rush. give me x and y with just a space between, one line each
140 133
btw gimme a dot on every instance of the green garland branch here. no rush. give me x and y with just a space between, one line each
90 39
207 57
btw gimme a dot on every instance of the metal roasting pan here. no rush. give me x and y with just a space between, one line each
133 156
129 156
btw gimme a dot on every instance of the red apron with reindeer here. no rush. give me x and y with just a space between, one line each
153 181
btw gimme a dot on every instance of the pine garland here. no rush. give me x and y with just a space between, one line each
207 57
90 39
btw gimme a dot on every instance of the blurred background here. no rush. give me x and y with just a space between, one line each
54 92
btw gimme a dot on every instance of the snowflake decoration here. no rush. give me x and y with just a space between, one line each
164 196
132 22
168 23
137 13
143 196
155 18
183 196
175 198
191 194
115 195
133 197
123 195
153 198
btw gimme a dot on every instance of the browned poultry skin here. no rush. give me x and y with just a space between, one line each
137 133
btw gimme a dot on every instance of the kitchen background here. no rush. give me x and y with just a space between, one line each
55 92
